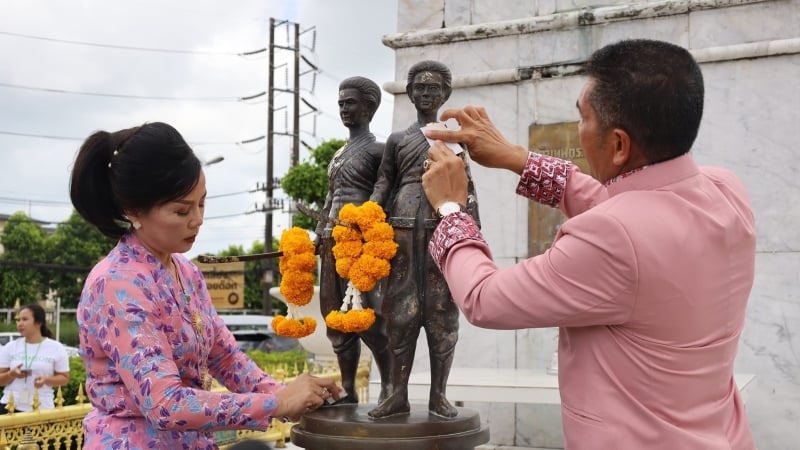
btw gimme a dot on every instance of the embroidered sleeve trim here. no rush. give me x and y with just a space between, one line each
453 229
544 179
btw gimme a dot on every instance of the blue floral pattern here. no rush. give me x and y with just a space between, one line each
144 359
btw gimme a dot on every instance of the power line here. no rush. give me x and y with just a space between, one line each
135 48
34 265
133 96
226 195
73 138
31 201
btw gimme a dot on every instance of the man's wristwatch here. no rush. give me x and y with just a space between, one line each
449 208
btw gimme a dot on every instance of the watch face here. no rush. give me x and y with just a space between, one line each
448 208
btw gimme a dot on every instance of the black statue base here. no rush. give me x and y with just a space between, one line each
348 427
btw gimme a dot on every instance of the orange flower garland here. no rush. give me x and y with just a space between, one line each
363 256
297 282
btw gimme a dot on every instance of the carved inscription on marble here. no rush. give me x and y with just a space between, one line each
561 141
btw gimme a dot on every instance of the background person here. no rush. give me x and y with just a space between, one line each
150 338
648 278
34 361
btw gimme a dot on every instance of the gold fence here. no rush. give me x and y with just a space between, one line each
62 428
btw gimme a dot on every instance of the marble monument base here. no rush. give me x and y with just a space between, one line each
348 427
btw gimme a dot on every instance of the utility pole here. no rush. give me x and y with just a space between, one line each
296 98
269 269
272 203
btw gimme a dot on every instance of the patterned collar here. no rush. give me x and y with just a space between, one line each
625 175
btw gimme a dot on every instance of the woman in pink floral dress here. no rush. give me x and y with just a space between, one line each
150 337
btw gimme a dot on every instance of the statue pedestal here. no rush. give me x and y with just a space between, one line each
348 427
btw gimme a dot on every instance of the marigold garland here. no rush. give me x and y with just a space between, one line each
362 255
373 241
292 327
297 282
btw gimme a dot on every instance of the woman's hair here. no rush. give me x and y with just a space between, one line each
130 170
370 92
431 66
653 90
39 317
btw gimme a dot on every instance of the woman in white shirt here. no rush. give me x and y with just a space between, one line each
32 362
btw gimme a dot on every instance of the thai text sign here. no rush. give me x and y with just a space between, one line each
225 283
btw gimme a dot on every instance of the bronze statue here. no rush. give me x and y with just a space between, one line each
352 174
416 294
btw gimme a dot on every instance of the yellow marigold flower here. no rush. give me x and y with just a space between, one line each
341 234
362 281
311 323
335 320
294 241
353 321
381 249
303 262
367 270
282 263
363 256
276 321
369 214
359 320
297 287
343 266
374 267
381 231
349 213
347 249
295 328
297 265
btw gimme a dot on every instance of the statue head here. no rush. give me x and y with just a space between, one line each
370 92
426 70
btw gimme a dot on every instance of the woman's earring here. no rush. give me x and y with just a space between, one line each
137 225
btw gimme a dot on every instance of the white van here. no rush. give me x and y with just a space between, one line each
239 322
254 332
8 336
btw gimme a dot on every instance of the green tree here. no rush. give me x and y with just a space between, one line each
75 243
24 244
307 182
34 263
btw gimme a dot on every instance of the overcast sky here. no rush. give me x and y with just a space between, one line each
72 67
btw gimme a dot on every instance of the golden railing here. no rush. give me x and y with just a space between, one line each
61 427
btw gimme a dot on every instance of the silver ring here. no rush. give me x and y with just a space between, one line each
426 164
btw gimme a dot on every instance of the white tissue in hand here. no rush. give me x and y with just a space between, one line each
454 146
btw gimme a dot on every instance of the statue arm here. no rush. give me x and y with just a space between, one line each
326 210
472 198
387 172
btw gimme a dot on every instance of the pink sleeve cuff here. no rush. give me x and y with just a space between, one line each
453 229
544 179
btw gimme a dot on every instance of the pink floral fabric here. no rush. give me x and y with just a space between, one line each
144 358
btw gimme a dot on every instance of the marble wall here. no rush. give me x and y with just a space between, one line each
748 126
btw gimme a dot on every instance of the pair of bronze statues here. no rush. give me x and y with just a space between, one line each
415 295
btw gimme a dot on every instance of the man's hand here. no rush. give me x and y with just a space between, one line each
483 140
445 178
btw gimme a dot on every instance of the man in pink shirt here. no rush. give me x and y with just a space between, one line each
649 277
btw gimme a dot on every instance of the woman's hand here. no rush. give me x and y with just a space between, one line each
39 381
305 393
18 372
